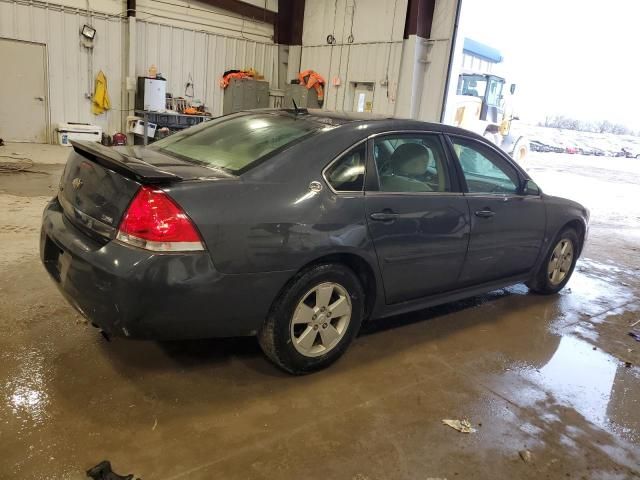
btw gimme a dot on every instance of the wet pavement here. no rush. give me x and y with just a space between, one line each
552 384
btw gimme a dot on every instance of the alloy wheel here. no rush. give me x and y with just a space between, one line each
560 261
321 319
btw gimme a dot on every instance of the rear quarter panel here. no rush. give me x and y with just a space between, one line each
269 219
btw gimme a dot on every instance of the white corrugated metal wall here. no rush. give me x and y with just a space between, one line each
368 48
58 28
408 75
372 62
177 52
181 54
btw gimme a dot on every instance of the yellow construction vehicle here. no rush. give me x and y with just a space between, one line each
482 107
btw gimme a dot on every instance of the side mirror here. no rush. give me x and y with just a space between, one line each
512 88
530 188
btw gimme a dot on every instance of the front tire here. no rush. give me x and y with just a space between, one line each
558 266
521 152
314 320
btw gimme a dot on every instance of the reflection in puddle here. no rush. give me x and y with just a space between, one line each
582 377
26 390
591 380
594 384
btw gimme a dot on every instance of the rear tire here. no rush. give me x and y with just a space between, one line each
557 267
314 320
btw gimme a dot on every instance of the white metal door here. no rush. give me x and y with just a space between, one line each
23 92
363 98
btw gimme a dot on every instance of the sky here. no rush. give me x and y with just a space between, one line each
579 58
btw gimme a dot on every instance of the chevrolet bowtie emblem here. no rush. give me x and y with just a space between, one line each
77 183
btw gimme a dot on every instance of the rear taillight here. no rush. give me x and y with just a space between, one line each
155 222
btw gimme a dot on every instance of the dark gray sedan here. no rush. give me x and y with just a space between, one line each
297 227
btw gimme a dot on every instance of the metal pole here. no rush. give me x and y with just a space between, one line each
454 36
146 127
130 81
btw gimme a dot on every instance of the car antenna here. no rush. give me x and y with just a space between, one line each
297 110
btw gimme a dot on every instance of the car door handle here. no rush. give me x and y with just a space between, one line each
383 216
485 213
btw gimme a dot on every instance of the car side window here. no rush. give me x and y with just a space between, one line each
411 163
347 173
484 171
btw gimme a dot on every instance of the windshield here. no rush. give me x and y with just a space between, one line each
236 142
472 85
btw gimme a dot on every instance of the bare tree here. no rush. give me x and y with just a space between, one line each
602 126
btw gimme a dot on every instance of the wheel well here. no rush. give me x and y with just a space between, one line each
578 226
361 268
492 129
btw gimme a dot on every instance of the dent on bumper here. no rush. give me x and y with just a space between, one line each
132 292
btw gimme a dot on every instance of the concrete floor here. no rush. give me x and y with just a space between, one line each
547 375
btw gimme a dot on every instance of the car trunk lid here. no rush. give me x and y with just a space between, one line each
98 183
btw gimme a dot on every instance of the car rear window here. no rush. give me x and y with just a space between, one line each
237 142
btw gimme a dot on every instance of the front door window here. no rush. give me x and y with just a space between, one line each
484 170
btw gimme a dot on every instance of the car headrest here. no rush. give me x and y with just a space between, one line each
410 159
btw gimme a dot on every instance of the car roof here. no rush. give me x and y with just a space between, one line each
374 121
345 117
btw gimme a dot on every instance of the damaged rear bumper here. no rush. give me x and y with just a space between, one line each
135 293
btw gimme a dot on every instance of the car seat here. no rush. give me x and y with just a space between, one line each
408 161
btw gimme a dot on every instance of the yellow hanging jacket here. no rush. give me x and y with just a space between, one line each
100 102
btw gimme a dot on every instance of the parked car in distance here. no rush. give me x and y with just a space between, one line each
296 227
631 153
537 146
586 151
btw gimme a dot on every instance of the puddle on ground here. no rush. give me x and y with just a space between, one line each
26 389
595 288
578 374
593 383
581 377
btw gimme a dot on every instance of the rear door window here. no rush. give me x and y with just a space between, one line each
236 142
411 163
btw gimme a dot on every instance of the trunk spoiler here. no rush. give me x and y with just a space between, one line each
125 165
